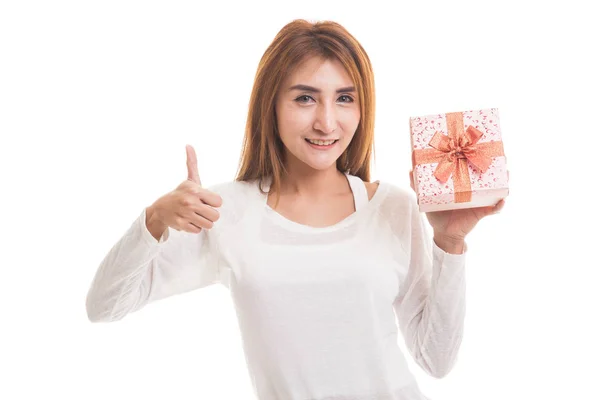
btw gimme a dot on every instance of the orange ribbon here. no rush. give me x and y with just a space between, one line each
452 152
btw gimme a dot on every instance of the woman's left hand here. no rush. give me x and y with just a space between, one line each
452 226
456 224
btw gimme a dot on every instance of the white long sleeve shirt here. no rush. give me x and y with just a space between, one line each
318 308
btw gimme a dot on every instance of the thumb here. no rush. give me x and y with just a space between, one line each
192 165
411 180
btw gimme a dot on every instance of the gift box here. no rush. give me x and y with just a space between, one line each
458 160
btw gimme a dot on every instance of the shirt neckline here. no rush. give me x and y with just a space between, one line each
296 226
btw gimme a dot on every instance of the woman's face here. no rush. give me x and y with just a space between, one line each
317 102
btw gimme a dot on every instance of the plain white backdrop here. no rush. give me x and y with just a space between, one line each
99 99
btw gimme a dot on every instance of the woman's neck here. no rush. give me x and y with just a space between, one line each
310 183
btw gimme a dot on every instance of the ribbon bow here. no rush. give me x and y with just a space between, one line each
453 152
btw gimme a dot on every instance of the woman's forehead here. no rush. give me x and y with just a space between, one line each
319 71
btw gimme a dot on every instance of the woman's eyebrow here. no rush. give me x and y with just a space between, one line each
307 88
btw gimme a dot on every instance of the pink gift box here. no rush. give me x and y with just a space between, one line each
468 145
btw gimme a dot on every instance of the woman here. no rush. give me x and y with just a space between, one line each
322 265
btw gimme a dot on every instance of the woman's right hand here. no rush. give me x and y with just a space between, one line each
188 208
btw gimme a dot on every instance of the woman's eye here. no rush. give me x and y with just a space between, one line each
300 99
305 98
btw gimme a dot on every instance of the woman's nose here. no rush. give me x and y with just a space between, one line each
326 120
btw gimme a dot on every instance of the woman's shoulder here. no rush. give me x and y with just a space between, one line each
388 191
372 188
237 197
394 199
237 193
397 207
233 188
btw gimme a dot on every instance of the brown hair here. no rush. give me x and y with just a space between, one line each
262 155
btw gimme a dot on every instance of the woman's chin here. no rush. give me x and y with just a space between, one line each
317 162
320 165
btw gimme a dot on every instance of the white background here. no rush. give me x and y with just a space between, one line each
97 102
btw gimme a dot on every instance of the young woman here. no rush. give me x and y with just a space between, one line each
323 266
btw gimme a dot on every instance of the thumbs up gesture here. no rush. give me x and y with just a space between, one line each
192 165
189 207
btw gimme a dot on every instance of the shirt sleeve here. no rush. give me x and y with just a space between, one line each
138 269
430 307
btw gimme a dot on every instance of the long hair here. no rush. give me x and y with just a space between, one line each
262 155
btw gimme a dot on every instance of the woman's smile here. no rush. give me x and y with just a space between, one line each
321 144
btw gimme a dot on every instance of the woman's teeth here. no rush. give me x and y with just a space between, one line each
322 142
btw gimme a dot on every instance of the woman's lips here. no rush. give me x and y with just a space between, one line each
319 147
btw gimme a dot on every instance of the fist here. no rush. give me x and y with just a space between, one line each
189 207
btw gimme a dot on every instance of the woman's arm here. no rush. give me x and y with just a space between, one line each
430 306
139 269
